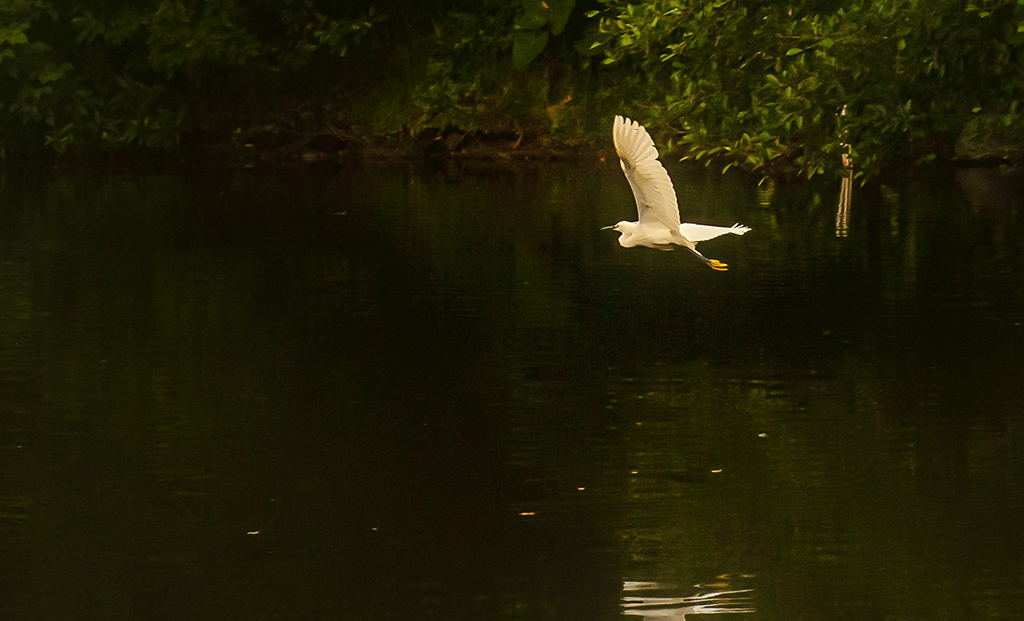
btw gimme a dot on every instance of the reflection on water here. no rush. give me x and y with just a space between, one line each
657 603
845 199
444 394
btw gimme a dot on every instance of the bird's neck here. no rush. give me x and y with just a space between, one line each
627 235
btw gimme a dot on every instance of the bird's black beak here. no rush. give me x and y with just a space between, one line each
607 228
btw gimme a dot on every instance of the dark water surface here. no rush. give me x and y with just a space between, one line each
446 394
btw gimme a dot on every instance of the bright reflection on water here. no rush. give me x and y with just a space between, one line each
446 394
644 599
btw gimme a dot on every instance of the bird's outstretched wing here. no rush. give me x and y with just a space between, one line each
652 187
703 232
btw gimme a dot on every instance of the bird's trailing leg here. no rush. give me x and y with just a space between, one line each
712 263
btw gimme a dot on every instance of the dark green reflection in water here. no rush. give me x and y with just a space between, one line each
383 394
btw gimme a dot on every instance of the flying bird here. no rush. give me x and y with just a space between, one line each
658 222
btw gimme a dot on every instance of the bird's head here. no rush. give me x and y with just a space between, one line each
619 226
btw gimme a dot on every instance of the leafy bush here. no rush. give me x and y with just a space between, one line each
796 84
772 86
138 74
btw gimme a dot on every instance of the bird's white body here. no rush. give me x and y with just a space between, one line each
657 224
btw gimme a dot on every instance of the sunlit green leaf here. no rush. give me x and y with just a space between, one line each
13 36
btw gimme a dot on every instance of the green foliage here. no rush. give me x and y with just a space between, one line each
460 77
136 74
790 86
538 19
763 85
32 77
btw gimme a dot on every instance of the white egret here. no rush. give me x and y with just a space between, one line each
658 223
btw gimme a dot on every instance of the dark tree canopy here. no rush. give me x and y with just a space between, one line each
766 86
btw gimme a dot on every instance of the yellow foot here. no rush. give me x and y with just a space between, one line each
718 265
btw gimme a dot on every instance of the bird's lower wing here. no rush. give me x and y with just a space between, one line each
703 232
652 187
